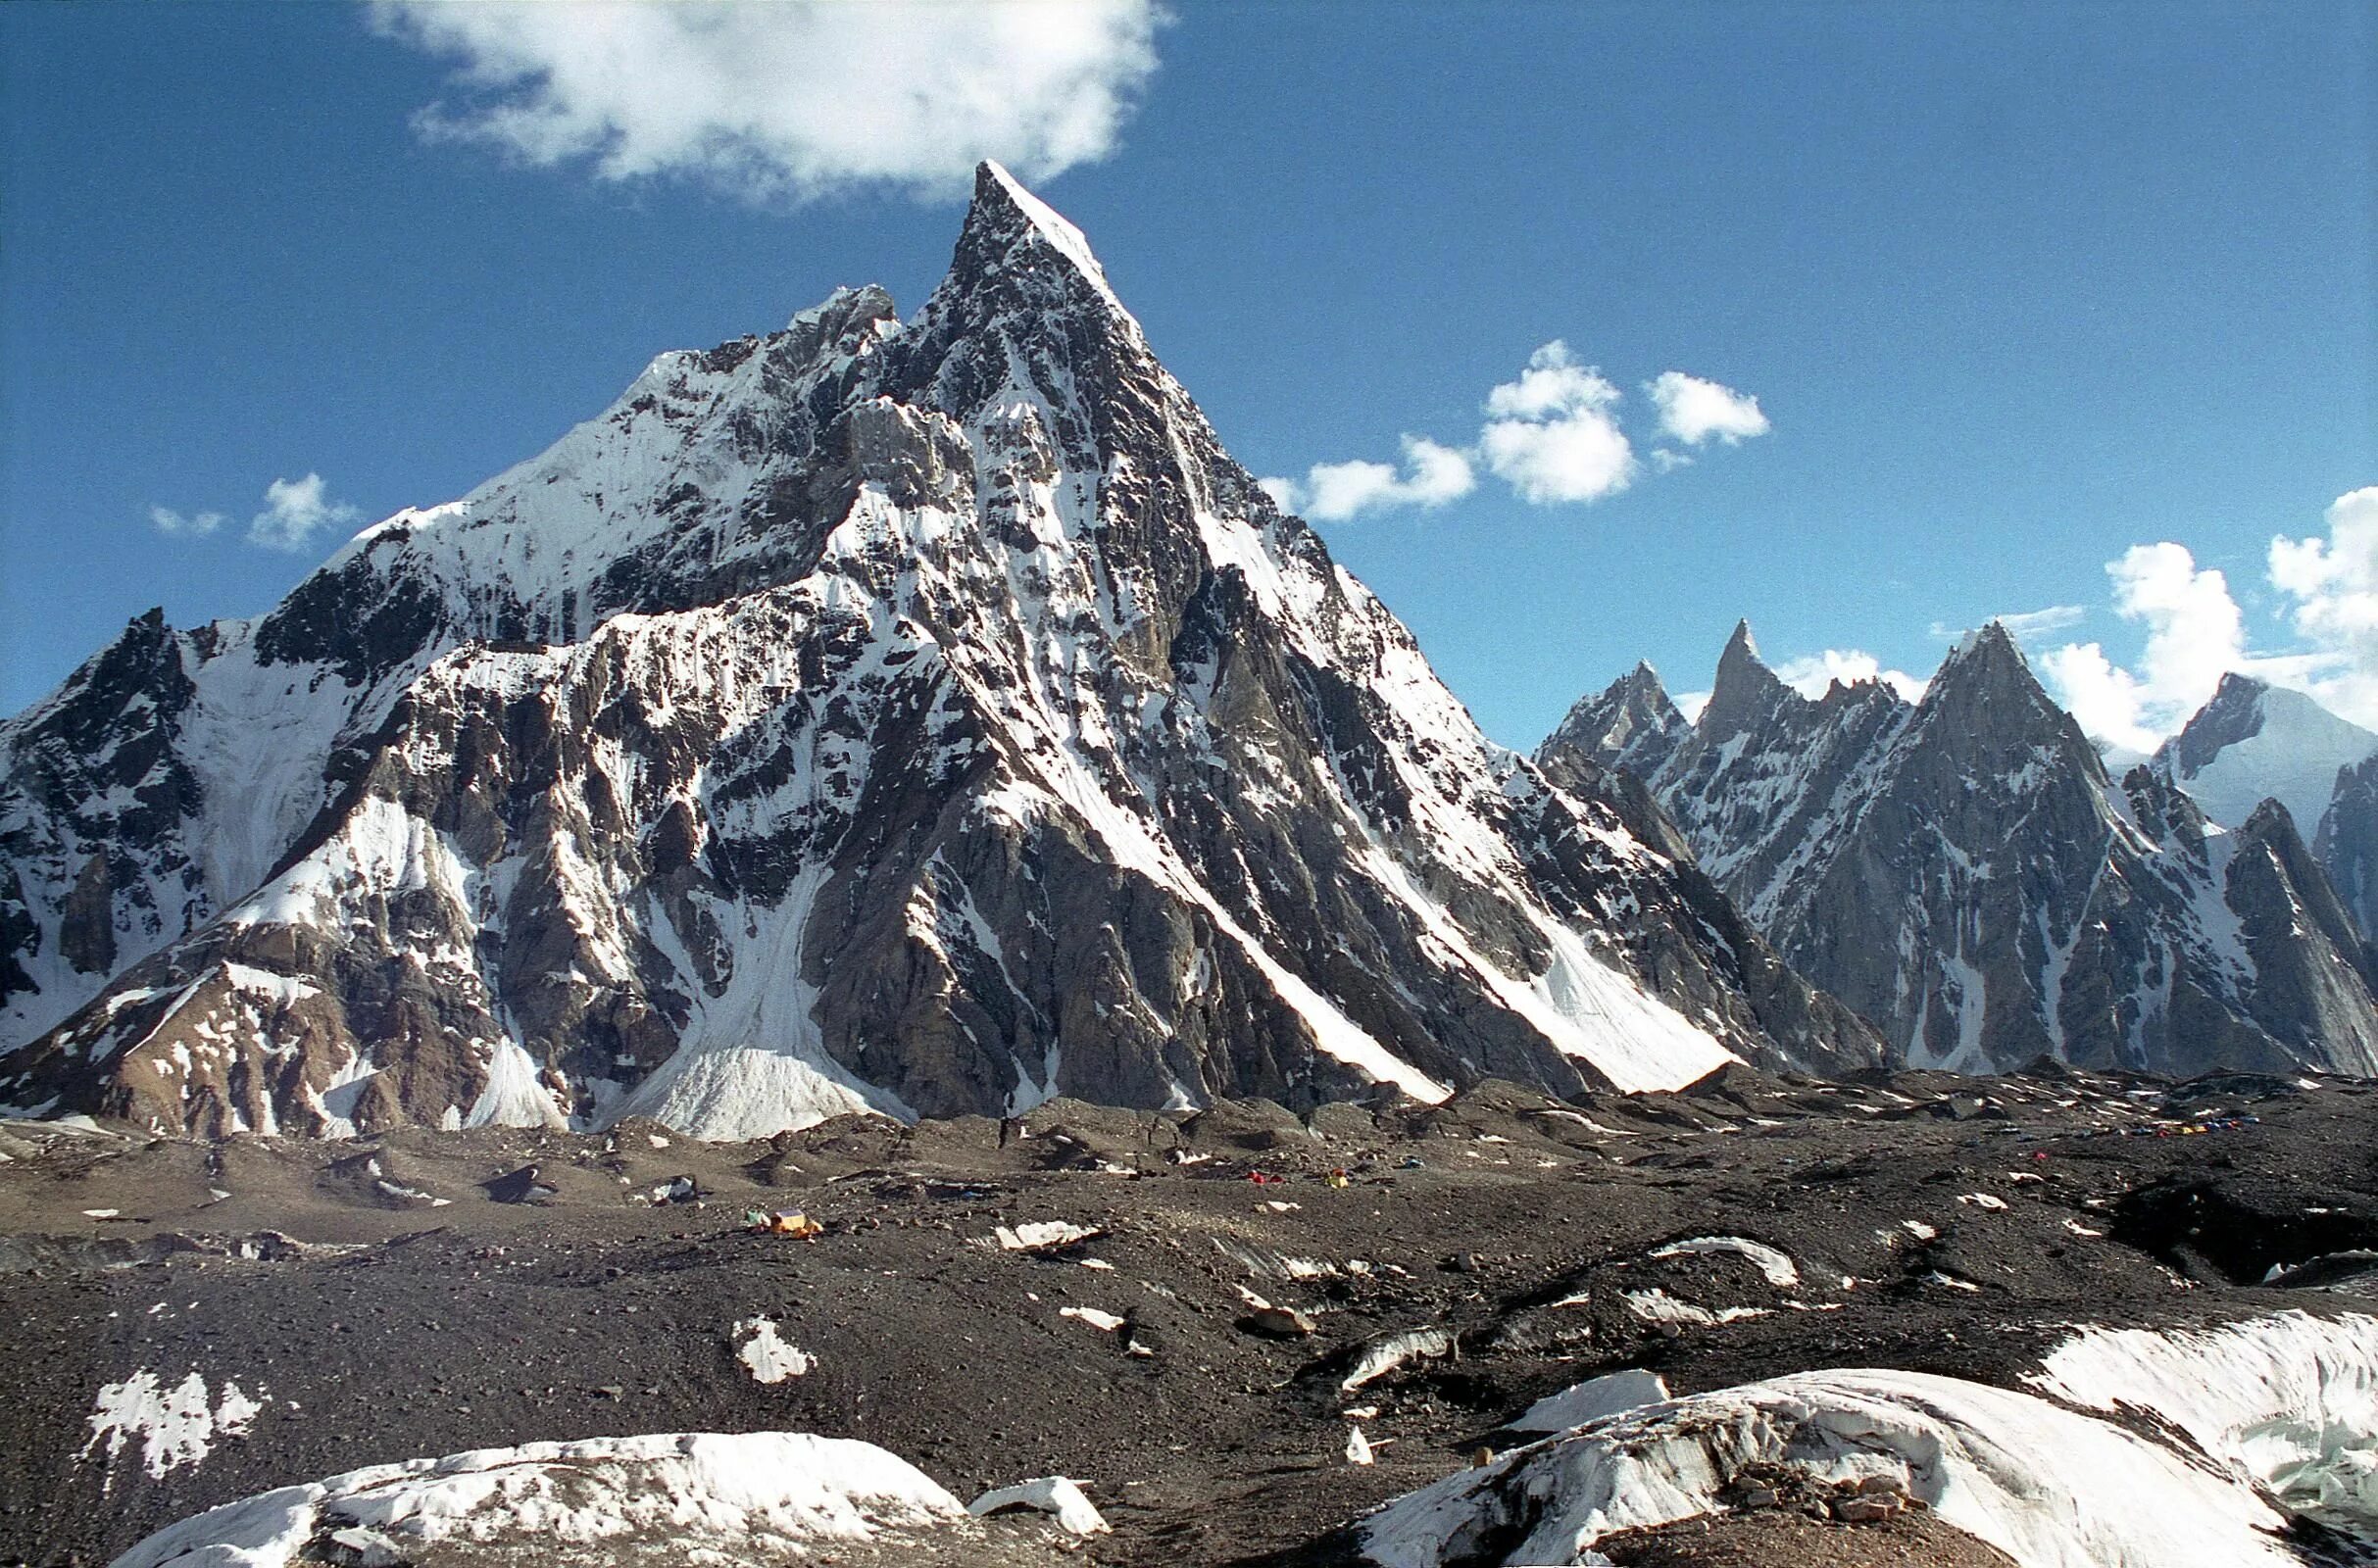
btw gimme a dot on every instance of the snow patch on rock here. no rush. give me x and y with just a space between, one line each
174 1426
769 1358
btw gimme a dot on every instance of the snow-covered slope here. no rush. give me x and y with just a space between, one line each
169 775
2255 742
921 716
1963 872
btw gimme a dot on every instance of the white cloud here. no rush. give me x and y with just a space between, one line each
2102 697
1333 492
792 99
2026 624
1336 491
1439 473
2196 632
294 508
1553 384
1552 436
1810 676
2334 585
2194 635
1690 704
1692 409
167 521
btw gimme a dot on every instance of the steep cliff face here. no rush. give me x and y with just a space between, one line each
1963 872
2346 842
928 716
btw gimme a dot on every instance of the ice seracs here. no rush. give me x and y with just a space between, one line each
1058 1497
2049 1485
2253 1423
1591 1399
2289 1401
1772 1262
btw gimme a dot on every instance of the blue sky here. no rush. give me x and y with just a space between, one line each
2017 289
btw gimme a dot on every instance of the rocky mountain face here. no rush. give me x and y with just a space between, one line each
1631 727
2255 742
2347 841
927 716
1963 872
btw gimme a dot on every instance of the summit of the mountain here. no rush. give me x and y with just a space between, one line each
2253 742
1632 724
1987 661
1746 691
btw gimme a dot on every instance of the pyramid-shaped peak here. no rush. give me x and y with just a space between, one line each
1740 668
1642 681
1005 217
1987 654
1991 639
1643 688
1987 694
1631 723
1745 692
1741 658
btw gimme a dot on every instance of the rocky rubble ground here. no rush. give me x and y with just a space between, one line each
1206 1318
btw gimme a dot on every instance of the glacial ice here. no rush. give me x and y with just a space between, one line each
2284 1404
756 1492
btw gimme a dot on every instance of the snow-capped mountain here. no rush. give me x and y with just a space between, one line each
2255 742
922 715
1631 726
1965 873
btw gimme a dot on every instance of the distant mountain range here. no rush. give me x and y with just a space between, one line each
930 717
925 717
1963 871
